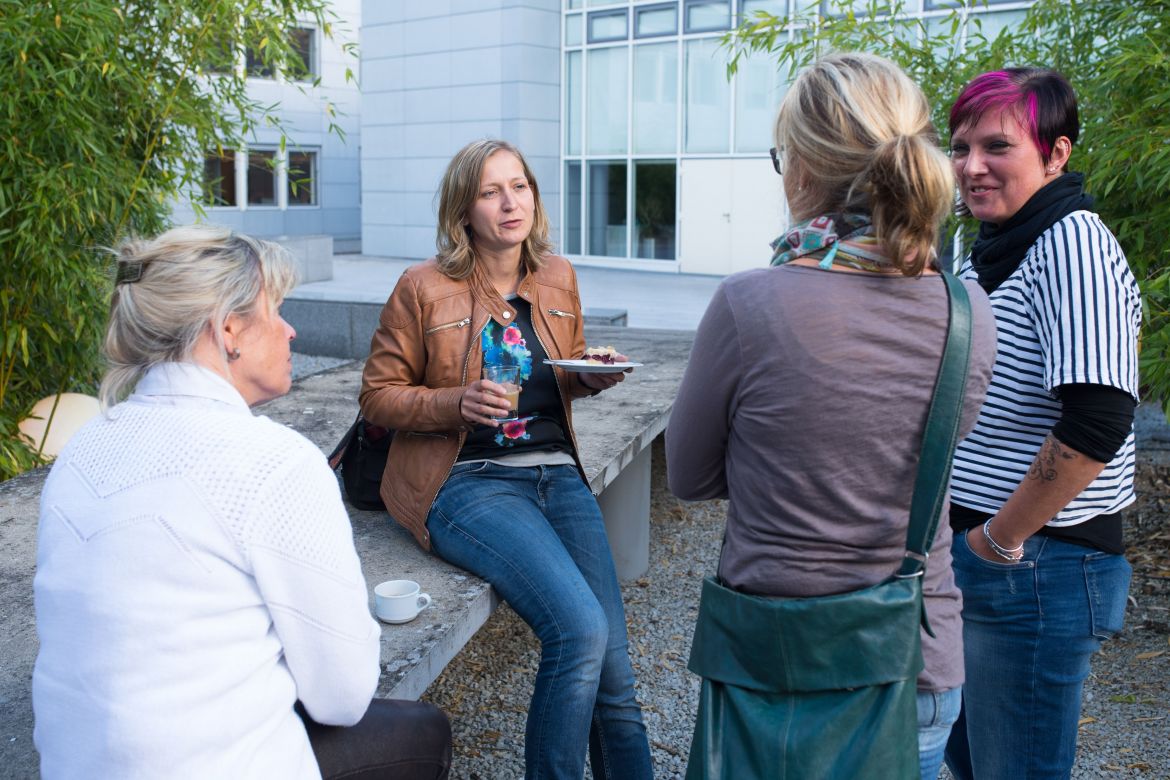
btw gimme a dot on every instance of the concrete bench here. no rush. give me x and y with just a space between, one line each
312 255
614 432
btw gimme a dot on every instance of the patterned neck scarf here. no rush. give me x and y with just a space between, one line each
843 239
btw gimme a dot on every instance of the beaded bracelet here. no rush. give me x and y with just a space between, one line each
1014 555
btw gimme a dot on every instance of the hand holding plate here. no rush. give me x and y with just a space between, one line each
600 381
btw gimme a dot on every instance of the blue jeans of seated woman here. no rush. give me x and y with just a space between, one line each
536 534
1029 629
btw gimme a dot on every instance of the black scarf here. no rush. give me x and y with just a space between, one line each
999 249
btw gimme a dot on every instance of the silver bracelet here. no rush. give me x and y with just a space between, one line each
1014 555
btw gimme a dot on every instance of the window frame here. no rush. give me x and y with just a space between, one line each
280 172
314 64
689 4
314 178
228 155
640 9
313 60
612 13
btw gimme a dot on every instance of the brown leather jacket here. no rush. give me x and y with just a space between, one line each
427 349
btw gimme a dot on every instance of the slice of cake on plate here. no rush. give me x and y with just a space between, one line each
600 355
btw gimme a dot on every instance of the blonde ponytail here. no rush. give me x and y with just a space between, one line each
857 132
910 186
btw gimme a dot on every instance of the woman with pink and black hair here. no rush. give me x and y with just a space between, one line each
1039 482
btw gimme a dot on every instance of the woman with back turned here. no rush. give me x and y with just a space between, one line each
805 399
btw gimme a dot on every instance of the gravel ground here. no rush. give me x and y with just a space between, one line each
485 690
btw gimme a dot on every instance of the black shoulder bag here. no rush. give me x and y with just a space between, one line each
361 458
825 687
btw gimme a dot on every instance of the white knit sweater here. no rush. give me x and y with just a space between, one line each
196 575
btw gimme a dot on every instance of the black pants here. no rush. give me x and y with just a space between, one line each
394 740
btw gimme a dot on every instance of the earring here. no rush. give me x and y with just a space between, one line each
234 354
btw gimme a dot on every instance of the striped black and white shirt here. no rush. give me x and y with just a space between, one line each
1069 314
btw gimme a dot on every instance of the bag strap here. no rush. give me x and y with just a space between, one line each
942 432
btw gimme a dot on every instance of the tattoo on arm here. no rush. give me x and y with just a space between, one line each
1046 466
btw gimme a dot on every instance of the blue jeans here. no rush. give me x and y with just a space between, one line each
536 534
1029 629
937 712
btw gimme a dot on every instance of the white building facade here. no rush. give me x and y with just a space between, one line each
312 185
648 157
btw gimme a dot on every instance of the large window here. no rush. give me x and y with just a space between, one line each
655 20
707 15
605 104
261 178
654 209
571 192
219 178
607 209
759 89
645 88
303 41
655 98
608 26
774 7
708 98
574 86
301 176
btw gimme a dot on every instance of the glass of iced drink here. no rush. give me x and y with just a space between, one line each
509 378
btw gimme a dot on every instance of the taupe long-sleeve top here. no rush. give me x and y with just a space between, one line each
804 404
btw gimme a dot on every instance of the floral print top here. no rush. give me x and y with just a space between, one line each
539 425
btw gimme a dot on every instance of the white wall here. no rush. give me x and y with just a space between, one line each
437 75
338 209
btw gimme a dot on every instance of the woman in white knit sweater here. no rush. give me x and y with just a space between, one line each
196 574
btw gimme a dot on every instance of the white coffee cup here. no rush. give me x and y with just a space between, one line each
398 601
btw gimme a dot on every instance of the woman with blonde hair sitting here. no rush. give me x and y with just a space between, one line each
805 404
200 605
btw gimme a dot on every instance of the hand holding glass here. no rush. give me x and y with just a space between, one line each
507 377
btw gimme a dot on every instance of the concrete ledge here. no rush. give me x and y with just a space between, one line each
607 317
343 329
340 329
347 246
313 255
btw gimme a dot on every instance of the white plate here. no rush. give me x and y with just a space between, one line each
585 367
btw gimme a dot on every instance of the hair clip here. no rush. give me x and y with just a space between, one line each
129 271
